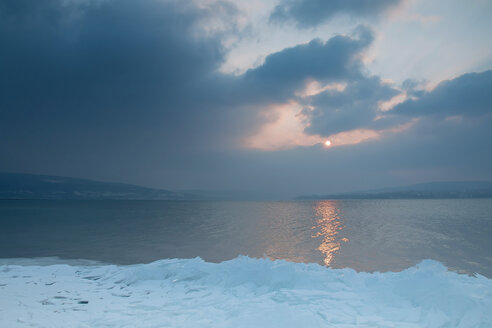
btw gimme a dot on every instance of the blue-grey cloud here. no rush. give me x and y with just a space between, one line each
122 70
88 60
106 86
285 71
126 88
357 106
126 91
129 66
310 13
468 95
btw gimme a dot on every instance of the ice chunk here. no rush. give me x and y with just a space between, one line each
243 292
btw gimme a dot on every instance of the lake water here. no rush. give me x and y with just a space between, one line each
366 235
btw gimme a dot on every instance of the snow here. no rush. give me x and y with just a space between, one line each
243 292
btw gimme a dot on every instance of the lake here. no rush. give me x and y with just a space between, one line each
366 235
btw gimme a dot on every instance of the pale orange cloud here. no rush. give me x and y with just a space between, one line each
314 87
286 126
389 104
286 130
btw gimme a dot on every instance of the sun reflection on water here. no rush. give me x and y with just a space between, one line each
328 224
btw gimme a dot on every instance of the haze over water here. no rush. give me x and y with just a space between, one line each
366 235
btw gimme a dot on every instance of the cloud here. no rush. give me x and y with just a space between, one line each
359 104
110 89
84 60
132 66
96 88
310 13
286 71
467 95
131 91
98 68
355 107
279 86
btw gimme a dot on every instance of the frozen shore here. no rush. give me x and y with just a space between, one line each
243 292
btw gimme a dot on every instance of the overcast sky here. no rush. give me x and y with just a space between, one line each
242 95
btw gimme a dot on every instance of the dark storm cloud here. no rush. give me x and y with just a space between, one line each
129 90
132 68
310 13
78 76
108 89
357 106
93 60
468 95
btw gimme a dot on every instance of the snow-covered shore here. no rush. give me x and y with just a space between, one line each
243 292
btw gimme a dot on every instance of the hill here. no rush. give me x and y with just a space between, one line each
450 189
32 186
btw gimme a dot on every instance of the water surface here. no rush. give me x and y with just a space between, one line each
367 235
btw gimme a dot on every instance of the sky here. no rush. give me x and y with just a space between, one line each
242 95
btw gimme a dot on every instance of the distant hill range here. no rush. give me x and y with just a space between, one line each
31 186
460 189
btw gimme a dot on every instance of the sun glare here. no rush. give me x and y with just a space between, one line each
327 143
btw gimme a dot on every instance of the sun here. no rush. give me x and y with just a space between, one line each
327 143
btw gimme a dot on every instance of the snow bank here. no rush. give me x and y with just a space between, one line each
243 292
